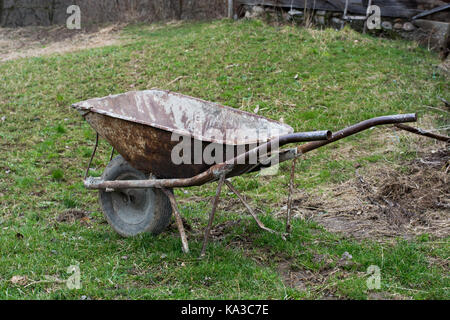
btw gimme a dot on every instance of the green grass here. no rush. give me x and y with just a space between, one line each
311 79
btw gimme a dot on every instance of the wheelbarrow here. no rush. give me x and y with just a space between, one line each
167 140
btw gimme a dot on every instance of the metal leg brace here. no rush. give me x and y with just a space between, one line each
178 220
222 180
211 216
250 210
291 191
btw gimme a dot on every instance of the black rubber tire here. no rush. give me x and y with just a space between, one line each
133 211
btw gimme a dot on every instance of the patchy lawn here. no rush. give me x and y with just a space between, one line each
310 79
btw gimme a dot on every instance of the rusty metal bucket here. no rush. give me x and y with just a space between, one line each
146 126
142 127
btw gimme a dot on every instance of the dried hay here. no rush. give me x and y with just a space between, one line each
387 200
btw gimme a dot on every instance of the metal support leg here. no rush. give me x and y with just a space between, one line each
112 154
178 220
250 210
211 216
291 191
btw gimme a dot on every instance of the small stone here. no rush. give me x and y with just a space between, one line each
255 12
258 10
386 25
408 26
319 19
398 26
294 12
346 256
163 256
21 280
286 16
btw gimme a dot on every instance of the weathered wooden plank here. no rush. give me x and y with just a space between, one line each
398 12
297 4
389 8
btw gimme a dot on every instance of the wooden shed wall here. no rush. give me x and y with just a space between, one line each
389 8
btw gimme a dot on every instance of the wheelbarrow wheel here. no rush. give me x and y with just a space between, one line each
133 211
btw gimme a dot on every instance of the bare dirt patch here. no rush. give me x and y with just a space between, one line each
318 281
385 201
37 41
72 215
